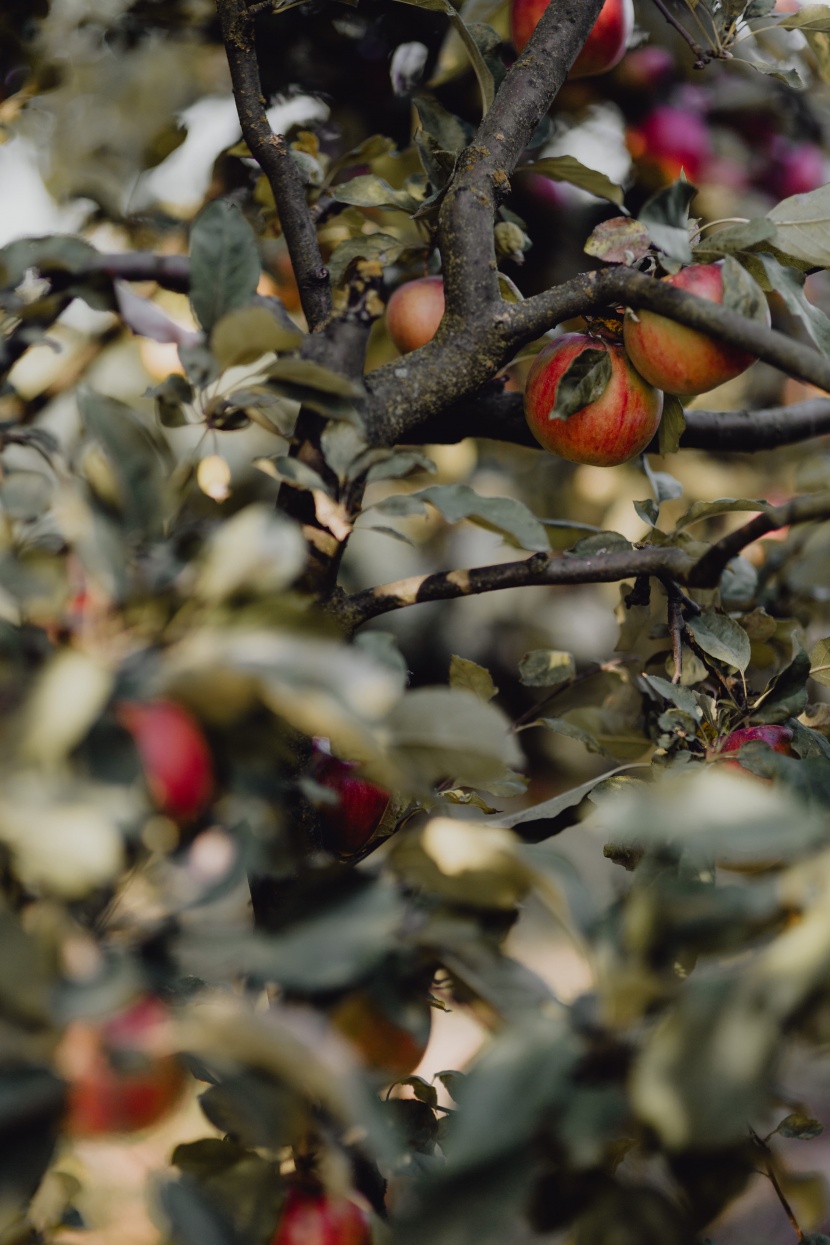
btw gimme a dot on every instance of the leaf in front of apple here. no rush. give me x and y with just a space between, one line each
583 382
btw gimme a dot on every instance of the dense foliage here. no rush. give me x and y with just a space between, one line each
335 711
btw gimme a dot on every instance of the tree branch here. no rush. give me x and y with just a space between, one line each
708 570
540 570
499 416
274 157
429 381
551 569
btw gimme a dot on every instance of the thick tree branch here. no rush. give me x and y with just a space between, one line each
431 380
542 569
274 157
666 562
480 180
499 416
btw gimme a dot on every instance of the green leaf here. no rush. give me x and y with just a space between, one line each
480 42
551 808
378 246
134 455
172 395
648 511
440 732
733 238
722 638
499 514
791 77
471 677
561 726
680 696
224 262
584 381
788 283
786 695
724 505
666 217
802 225
369 190
820 662
598 544
569 169
813 17
621 240
545 667
742 293
247 333
796 1125
672 425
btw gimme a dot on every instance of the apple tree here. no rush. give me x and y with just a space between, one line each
369 674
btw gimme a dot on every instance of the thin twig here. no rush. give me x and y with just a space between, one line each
700 54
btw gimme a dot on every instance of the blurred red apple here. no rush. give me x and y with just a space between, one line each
392 1044
311 1217
174 755
119 1081
414 312
794 168
678 359
615 427
779 739
349 824
670 141
605 46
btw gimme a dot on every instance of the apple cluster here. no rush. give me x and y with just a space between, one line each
621 411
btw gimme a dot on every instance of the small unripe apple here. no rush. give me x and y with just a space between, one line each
390 1044
615 427
118 1080
414 312
311 1217
678 359
605 46
348 825
174 755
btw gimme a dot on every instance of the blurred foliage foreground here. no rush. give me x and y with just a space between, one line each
184 902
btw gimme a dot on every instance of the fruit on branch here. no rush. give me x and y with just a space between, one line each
174 755
120 1078
311 1217
779 738
607 425
605 46
678 359
670 141
348 825
390 1043
414 312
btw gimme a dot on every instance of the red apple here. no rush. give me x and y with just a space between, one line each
679 359
350 824
118 1080
311 1217
174 755
779 739
605 45
795 168
414 312
615 427
649 69
392 1044
670 141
